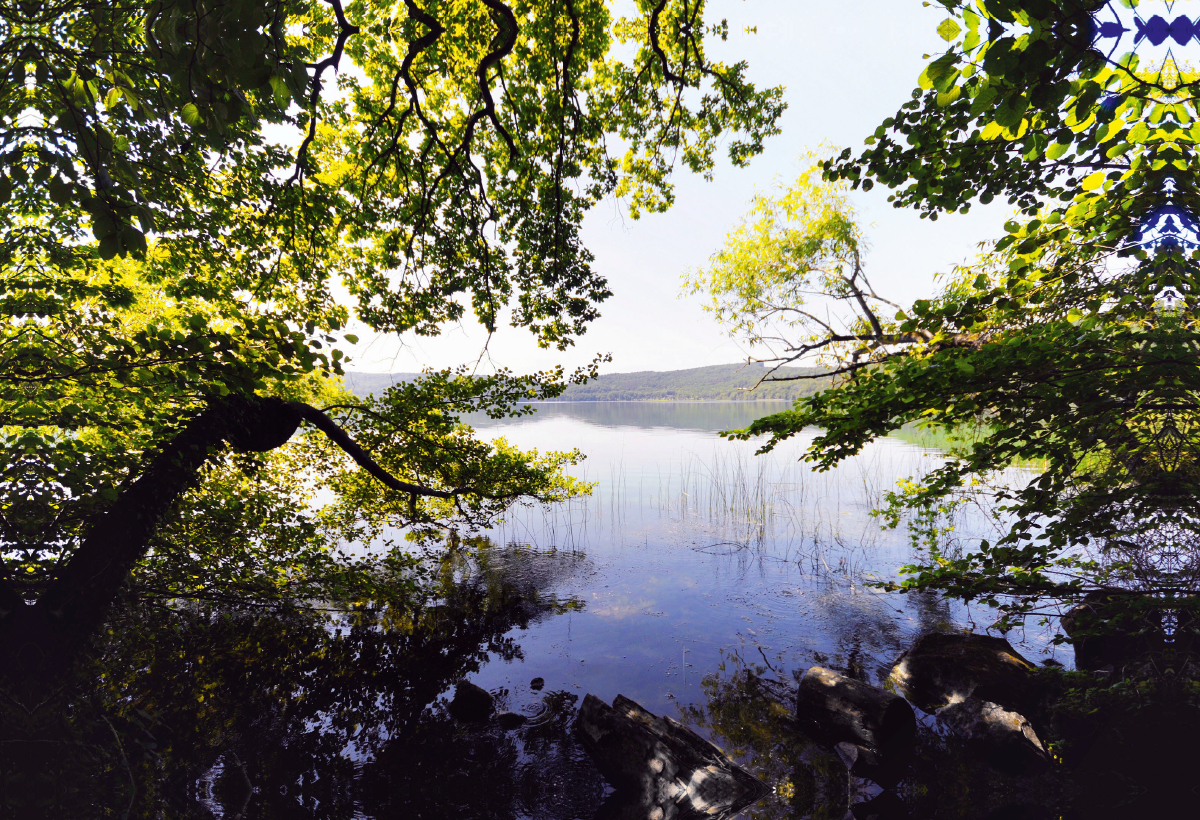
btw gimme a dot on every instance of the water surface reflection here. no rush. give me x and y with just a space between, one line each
698 581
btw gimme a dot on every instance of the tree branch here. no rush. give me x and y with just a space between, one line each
339 437
345 32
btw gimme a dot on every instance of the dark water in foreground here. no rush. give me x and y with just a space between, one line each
698 580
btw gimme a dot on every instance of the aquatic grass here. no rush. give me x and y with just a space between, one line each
728 502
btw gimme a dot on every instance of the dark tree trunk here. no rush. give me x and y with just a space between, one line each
40 640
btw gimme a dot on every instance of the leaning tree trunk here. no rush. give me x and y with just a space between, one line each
40 640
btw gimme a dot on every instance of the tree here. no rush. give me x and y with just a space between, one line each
1071 343
176 283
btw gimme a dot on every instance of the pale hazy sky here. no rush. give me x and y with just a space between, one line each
845 66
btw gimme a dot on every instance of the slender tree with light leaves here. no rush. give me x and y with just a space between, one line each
1070 345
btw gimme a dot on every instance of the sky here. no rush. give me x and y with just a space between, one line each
845 66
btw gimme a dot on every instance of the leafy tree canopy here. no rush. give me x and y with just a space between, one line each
1070 345
176 279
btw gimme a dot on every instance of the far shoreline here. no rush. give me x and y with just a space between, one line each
658 401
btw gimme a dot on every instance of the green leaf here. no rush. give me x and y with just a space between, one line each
944 98
991 131
1056 150
134 241
983 100
940 73
949 30
282 94
191 115
110 246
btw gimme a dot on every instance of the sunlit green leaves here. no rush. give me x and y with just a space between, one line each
949 29
160 251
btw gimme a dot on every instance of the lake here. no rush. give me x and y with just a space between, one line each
696 563
692 545
698 579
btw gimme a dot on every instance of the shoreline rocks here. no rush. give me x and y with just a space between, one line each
1005 740
872 730
946 667
660 769
471 703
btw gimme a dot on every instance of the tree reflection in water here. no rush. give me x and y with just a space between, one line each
309 712
327 712
339 712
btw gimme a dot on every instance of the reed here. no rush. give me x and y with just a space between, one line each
730 502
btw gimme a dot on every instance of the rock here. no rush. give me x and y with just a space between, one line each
838 708
1113 631
660 768
1006 740
509 721
537 683
945 667
865 763
471 703
840 711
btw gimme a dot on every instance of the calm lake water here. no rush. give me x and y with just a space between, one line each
698 579
695 562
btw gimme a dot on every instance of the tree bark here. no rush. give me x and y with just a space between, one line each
40 639
78 600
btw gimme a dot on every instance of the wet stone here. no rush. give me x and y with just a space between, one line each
871 730
659 768
508 721
1004 739
471 703
1114 633
946 667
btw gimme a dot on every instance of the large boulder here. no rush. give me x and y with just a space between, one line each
1004 739
871 729
471 703
1114 631
660 769
945 667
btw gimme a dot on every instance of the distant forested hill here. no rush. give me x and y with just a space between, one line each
364 384
718 382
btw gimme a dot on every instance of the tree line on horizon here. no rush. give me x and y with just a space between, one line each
726 382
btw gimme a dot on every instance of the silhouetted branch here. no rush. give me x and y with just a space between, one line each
345 32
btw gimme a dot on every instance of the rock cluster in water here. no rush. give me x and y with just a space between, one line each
660 769
978 688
